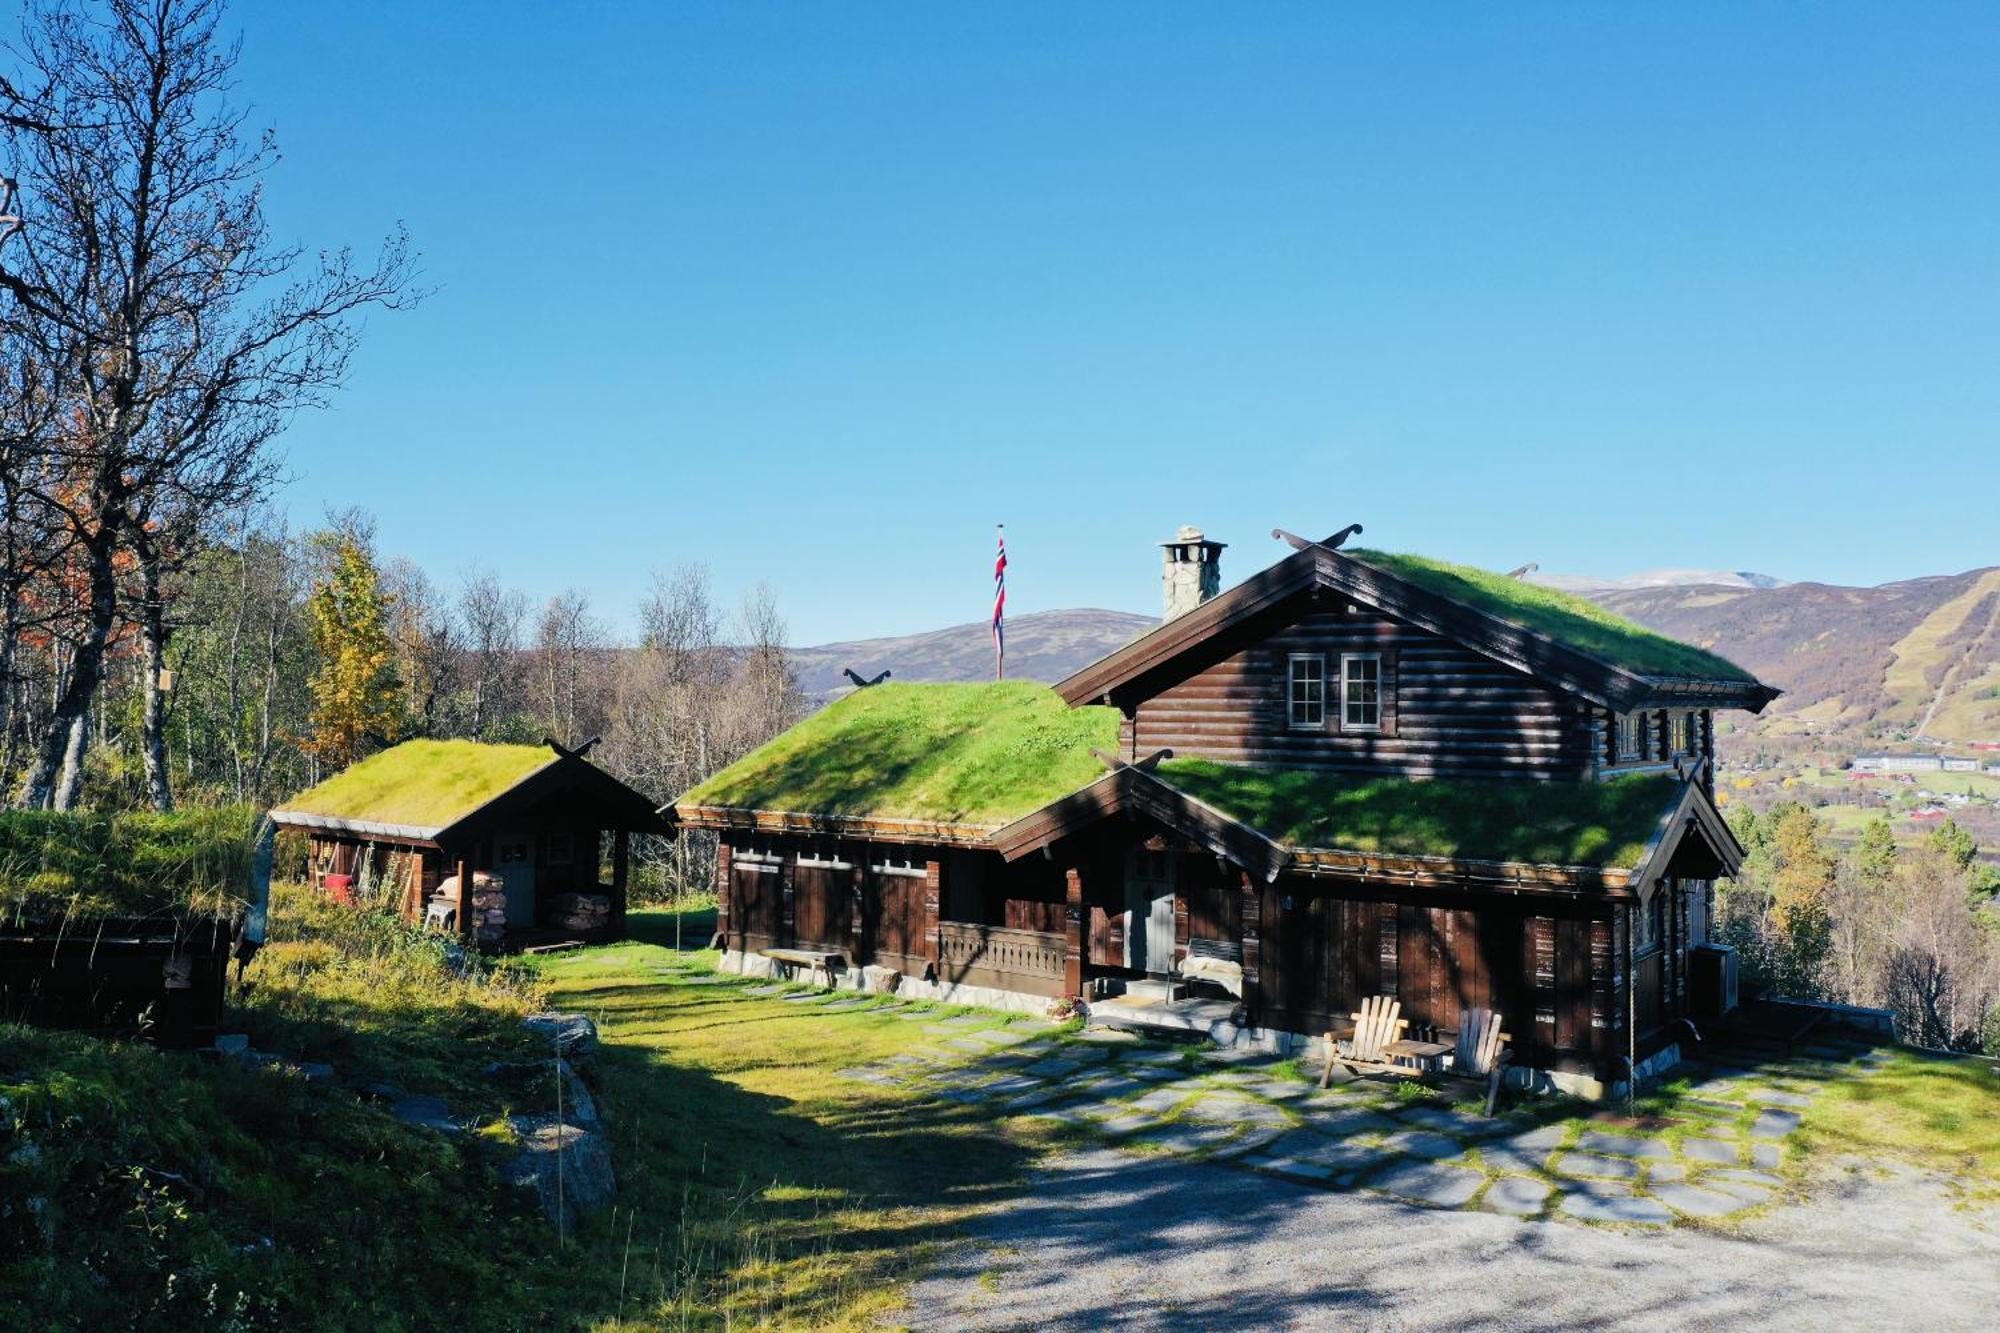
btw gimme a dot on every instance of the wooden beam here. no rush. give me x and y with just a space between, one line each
621 863
468 928
1073 942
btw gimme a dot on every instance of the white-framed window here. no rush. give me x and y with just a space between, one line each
1305 691
1361 691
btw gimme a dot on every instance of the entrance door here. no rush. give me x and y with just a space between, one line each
1149 912
514 862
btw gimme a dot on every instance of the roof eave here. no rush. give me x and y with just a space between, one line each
364 827
726 818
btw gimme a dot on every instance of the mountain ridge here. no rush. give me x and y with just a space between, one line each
1912 659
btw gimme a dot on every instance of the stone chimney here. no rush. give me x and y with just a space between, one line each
1191 570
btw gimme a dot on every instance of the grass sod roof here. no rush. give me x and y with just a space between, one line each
57 866
1570 620
1605 825
946 754
423 784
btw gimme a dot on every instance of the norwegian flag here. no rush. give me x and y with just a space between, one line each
1000 605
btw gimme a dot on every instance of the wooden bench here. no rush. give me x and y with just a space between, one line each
813 960
1217 962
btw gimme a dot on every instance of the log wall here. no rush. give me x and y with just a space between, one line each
1446 710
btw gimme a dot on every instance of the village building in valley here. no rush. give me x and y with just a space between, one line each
527 824
1352 775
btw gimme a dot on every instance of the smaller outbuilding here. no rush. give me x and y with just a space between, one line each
542 834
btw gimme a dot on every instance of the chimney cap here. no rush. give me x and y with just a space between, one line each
1190 535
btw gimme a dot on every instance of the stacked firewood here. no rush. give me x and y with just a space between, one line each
580 911
489 904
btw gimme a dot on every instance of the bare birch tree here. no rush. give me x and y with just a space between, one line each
139 277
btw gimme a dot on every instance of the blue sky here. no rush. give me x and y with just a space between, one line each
819 293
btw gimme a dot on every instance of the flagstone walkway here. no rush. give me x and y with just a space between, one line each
1721 1152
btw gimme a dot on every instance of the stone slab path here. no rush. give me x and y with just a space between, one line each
1718 1156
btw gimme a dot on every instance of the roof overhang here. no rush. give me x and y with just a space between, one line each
360 828
623 807
721 818
1224 625
1127 789
1692 841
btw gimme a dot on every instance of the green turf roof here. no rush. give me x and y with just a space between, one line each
424 784
1599 824
954 754
1570 620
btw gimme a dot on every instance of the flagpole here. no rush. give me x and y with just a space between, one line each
1000 603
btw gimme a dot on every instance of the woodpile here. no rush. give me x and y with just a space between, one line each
580 911
489 904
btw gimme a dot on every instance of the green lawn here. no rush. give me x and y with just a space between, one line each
754 1183
1935 1112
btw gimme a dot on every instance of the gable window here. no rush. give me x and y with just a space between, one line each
1306 691
1361 692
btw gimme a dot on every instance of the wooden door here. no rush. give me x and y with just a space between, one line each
514 862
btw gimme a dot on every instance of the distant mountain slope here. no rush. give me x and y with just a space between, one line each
1862 663
1041 645
1658 578
1859 666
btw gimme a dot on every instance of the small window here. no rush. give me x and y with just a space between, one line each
562 849
1307 691
1361 692
1632 735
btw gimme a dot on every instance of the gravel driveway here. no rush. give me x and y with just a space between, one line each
1103 1239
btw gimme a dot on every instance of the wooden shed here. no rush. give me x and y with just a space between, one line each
543 834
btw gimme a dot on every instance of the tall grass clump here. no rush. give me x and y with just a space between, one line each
135 863
365 990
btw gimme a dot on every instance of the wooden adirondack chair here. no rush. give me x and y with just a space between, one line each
1379 1023
1481 1053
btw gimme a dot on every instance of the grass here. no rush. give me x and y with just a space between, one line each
426 784
1603 824
1938 1112
966 754
57 865
166 1190
759 1184
1571 620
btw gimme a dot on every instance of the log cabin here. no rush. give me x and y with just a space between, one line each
1352 774
525 824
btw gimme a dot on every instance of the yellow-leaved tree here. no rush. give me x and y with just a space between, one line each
356 699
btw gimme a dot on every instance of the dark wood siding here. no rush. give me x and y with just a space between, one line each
1546 966
1447 711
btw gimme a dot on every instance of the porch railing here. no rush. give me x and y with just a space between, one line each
1030 961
